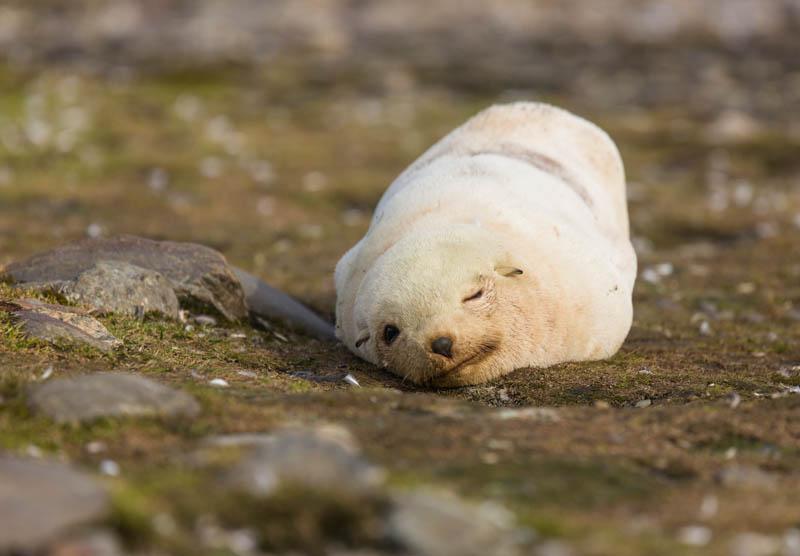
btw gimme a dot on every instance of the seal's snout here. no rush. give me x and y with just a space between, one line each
443 346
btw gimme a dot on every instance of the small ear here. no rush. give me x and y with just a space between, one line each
362 338
503 270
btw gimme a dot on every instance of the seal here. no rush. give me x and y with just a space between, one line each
505 245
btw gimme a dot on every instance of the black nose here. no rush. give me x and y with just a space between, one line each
442 346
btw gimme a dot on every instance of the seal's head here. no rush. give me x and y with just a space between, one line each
442 308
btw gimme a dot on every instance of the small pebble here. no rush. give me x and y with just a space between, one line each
499 444
733 399
109 467
766 230
95 447
645 372
709 507
664 269
753 544
94 230
694 535
205 320
542 415
242 541
48 372
745 288
249 374
164 524
261 171
314 181
157 179
266 205
705 328
791 539
187 107
219 382
211 167
33 451
650 275
643 403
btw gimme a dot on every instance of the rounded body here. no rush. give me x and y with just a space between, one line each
505 245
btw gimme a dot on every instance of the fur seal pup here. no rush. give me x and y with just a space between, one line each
505 245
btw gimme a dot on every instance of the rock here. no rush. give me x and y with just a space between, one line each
539 415
747 477
734 127
443 525
120 287
267 302
205 320
753 544
733 399
318 458
198 274
73 400
55 323
90 543
39 500
694 535
791 542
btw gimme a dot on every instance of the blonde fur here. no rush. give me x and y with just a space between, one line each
524 203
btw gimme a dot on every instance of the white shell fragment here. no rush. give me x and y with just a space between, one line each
48 372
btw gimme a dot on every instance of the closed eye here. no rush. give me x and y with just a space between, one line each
390 332
476 295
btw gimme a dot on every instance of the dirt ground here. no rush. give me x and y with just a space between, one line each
693 425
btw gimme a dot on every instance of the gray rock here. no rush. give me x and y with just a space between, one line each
443 525
539 415
198 274
323 458
54 323
120 287
88 543
745 477
74 400
39 500
267 302
753 544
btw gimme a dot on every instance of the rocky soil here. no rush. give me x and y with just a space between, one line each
157 398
